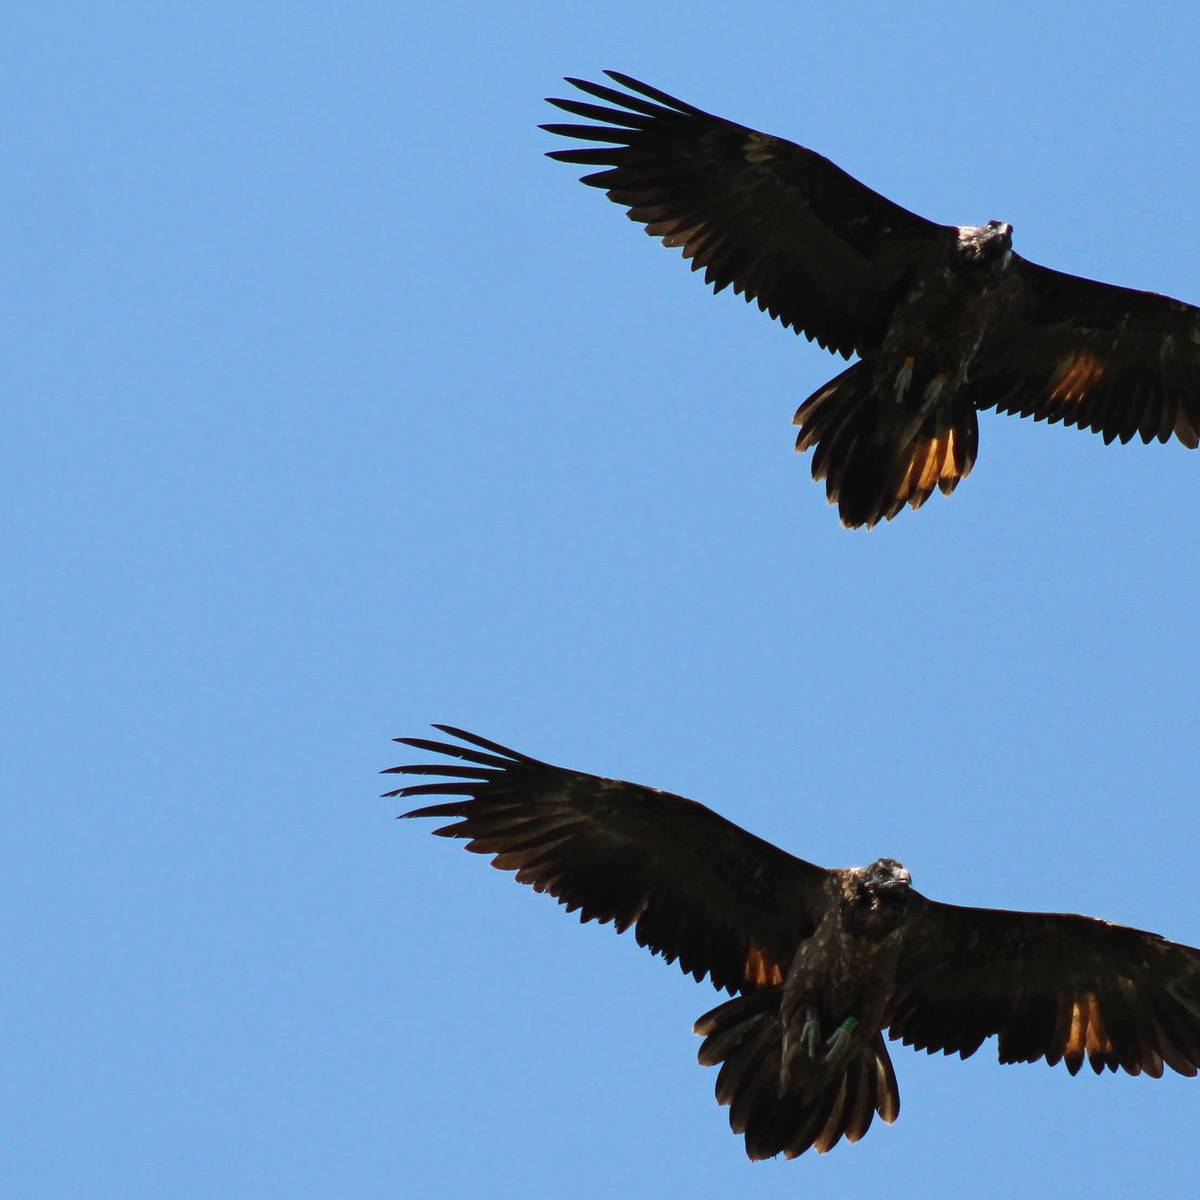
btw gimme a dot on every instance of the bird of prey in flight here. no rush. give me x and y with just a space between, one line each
821 962
944 319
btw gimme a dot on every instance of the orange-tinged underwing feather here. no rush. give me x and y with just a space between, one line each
761 969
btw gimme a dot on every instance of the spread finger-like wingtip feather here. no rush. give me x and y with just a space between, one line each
485 743
612 96
653 93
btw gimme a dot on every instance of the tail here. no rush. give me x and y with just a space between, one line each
746 1036
877 455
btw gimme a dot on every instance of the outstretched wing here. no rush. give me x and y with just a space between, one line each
1050 985
1106 358
816 248
694 886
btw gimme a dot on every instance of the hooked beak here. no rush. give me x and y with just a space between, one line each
901 879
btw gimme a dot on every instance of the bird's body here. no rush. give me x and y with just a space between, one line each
945 319
821 962
804 1062
847 967
894 426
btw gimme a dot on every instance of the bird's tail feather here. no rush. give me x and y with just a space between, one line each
745 1035
877 455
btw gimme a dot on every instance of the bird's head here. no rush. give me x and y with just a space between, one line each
886 877
878 895
990 243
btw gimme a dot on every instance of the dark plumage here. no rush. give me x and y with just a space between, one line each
821 961
945 320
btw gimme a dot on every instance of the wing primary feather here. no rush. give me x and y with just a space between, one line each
654 94
451 751
440 769
476 740
588 133
591 157
597 112
612 96
425 789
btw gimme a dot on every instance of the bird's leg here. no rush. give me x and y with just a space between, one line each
839 1038
810 1033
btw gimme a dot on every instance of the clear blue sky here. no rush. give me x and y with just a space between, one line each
332 408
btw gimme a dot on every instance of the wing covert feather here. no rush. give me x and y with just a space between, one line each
817 249
1050 985
1111 359
695 887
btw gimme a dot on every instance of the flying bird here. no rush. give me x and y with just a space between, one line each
821 962
944 319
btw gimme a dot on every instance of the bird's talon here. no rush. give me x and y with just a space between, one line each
839 1039
810 1034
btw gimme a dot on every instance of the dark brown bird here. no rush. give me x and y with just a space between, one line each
945 319
821 961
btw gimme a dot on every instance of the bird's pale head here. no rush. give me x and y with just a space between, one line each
990 243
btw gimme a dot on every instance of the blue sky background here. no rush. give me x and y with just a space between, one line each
332 409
